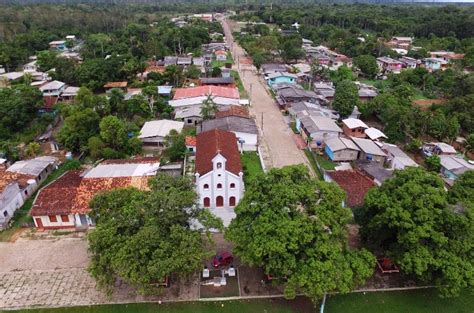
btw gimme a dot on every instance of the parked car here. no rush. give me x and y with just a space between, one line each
223 259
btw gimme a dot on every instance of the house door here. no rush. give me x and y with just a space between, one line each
207 202
232 201
39 223
220 201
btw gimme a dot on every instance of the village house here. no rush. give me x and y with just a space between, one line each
220 55
387 64
190 115
396 158
453 166
58 45
190 142
447 56
354 183
280 78
219 174
184 61
273 68
53 88
319 129
116 85
153 133
298 110
170 60
354 127
19 181
438 148
291 93
376 171
69 93
434 64
233 110
325 89
341 149
374 134
408 62
369 150
30 67
201 91
244 128
165 90
217 81
64 204
400 42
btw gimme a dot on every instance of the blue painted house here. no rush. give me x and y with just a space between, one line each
58 45
281 78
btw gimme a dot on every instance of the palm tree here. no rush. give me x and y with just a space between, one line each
208 108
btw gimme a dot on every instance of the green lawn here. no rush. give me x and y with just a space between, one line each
325 163
240 85
413 301
251 165
314 165
21 215
247 306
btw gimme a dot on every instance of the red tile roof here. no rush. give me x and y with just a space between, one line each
58 197
215 141
6 178
354 183
116 85
234 110
216 91
71 193
191 141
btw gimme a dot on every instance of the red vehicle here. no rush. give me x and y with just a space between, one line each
223 259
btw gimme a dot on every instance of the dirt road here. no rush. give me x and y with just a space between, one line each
277 137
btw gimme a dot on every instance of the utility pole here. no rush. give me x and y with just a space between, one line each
262 122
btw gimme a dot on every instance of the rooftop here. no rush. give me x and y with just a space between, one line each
398 153
354 123
32 167
368 146
190 141
217 80
341 143
313 123
374 134
217 91
160 128
354 183
214 142
116 85
231 123
233 110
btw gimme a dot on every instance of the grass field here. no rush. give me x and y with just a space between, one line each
244 306
414 301
251 165
325 163
240 85
21 215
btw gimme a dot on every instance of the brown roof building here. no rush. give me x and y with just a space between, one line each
213 142
233 110
354 183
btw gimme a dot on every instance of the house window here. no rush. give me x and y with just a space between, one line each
206 186
26 192
219 165
190 121
53 219
64 218
353 130
232 185
219 186
5 213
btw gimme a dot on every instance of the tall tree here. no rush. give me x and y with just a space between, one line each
294 226
367 64
78 127
346 97
208 108
143 237
409 219
113 132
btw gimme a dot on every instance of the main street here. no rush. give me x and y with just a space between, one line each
277 142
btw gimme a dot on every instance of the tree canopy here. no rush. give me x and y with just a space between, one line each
294 226
144 236
346 97
408 219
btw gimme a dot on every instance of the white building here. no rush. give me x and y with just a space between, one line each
53 88
154 132
396 158
219 175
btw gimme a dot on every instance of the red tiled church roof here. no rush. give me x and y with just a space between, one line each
354 183
215 141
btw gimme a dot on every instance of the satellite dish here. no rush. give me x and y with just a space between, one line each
31 181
